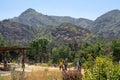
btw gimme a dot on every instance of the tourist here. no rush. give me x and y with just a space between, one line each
19 60
65 64
61 63
79 65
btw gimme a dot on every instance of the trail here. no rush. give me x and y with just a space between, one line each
33 68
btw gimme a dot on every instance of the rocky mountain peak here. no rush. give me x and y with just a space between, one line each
33 18
29 12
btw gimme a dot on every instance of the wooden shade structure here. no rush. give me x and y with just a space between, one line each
20 49
13 48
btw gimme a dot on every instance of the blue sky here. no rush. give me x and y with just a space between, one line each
90 9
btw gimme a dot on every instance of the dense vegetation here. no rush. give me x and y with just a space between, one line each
99 59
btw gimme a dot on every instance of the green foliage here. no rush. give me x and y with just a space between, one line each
39 49
13 55
103 69
116 49
89 52
2 44
60 52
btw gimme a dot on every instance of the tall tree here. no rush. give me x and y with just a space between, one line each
40 49
61 52
116 49
2 44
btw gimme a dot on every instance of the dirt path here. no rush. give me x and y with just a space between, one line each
33 68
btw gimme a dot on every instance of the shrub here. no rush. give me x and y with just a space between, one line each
103 69
71 75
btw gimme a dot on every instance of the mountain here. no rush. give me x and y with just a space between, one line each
108 25
60 29
68 33
16 32
65 33
33 18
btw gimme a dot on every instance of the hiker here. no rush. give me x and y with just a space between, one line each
61 63
79 65
5 63
19 60
65 64
54 65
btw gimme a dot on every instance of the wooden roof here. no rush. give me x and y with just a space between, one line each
13 48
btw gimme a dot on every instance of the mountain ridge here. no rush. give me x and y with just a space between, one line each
33 18
106 26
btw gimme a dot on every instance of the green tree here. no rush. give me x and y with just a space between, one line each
60 52
116 49
89 52
2 44
39 50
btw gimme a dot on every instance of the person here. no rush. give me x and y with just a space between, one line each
19 60
61 63
79 65
5 63
55 65
65 64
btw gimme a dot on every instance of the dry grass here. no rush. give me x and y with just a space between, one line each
5 78
44 75
38 75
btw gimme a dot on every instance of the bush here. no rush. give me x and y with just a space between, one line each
103 69
71 75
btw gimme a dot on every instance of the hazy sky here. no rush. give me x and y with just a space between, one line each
90 9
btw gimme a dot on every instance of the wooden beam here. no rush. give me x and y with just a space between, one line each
13 48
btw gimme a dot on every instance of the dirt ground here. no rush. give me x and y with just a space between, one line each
33 68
